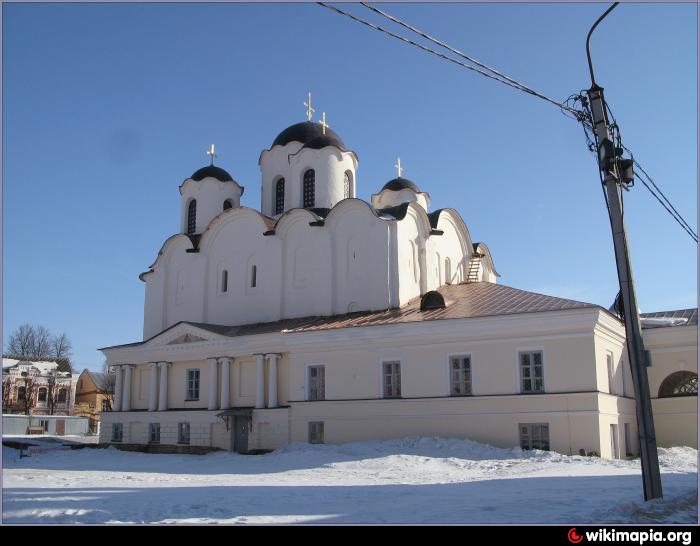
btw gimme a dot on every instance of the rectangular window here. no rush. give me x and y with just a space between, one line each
392 379
117 432
628 439
154 433
611 373
43 394
183 433
193 384
460 375
614 445
62 396
625 388
317 382
531 373
254 276
21 393
534 436
316 432
106 405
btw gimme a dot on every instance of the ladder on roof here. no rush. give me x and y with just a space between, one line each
474 264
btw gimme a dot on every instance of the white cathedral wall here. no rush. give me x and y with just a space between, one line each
236 245
411 259
328 163
391 198
210 194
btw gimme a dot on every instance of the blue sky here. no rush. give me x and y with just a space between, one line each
107 108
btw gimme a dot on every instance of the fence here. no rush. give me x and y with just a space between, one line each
60 425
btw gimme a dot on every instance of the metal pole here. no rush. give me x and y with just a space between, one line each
651 475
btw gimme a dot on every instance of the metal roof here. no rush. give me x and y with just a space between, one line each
685 317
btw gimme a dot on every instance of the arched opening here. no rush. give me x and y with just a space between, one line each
228 204
62 396
448 271
279 196
679 384
224 280
309 189
43 394
254 276
347 185
192 217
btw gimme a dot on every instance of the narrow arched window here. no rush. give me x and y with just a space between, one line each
309 189
228 204
224 280
679 384
192 217
254 276
347 184
279 196
62 396
43 394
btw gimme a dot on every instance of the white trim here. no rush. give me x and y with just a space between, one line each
519 384
450 356
187 383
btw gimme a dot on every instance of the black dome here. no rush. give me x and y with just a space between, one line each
323 141
398 184
304 132
214 172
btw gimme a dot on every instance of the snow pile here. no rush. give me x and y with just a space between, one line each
409 480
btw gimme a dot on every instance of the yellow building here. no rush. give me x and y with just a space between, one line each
94 395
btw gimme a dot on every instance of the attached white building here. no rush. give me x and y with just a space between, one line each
325 318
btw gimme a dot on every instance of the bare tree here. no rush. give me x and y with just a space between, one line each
108 393
21 341
62 347
54 396
25 397
6 394
42 343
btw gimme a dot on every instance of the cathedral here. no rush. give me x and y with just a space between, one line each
325 318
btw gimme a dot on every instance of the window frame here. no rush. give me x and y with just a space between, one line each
153 427
316 429
46 395
196 383
450 375
278 200
532 365
181 428
191 224
308 189
117 437
383 384
62 391
322 396
530 436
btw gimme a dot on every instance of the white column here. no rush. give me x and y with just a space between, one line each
163 395
272 385
213 370
225 383
126 402
153 389
118 389
260 397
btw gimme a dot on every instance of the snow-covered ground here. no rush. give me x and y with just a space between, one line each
412 480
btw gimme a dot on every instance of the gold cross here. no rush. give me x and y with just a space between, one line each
398 166
212 153
323 123
309 111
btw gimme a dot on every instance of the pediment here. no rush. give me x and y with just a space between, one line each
181 335
186 338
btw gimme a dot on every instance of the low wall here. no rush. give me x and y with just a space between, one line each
19 424
676 421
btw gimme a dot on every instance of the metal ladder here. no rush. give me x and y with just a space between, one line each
473 273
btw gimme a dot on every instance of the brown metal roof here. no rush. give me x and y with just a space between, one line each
469 300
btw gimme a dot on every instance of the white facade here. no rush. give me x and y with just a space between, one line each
307 323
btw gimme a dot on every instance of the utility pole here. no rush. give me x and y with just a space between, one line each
616 175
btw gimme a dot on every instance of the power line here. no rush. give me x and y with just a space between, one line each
516 85
582 116
522 86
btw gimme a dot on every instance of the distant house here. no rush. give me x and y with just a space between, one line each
37 387
94 394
